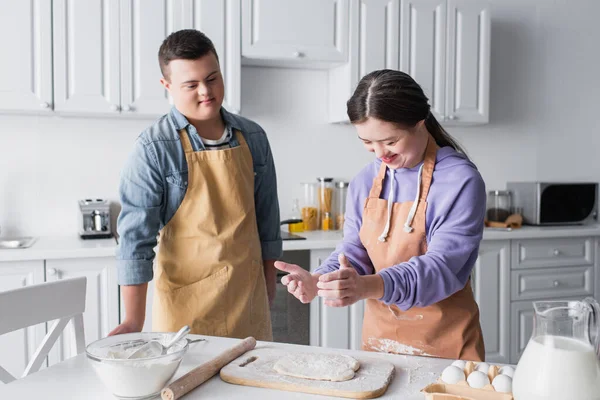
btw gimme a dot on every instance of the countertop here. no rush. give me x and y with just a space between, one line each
62 247
75 378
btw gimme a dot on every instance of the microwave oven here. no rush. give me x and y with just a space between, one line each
554 203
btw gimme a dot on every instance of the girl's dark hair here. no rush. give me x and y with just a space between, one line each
186 44
393 96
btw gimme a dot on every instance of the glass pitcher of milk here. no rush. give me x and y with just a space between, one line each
561 360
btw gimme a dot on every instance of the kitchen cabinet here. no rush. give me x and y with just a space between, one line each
57 69
468 62
443 44
220 21
521 328
102 299
491 286
121 75
18 347
26 79
86 56
301 33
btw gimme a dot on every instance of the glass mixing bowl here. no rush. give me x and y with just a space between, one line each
139 378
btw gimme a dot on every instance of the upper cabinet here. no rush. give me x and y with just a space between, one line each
120 73
26 81
423 45
86 56
443 44
99 57
220 21
468 64
302 33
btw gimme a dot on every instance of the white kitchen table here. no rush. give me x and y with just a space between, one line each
76 379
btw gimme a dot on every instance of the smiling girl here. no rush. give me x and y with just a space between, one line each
414 222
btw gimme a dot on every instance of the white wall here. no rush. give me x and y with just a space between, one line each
545 93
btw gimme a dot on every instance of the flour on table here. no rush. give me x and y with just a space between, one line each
392 346
322 367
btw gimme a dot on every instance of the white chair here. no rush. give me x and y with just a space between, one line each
62 301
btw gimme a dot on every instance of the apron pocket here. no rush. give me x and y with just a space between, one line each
201 305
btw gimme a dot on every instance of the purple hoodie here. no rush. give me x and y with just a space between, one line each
454 228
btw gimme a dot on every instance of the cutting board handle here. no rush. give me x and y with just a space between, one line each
204 372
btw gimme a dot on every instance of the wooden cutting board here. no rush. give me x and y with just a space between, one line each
255 368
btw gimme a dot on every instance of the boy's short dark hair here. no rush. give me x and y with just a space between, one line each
186 44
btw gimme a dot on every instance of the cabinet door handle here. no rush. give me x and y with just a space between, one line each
452 117
556 252
127 108
51 271
298 54
556 283
114 107
45 105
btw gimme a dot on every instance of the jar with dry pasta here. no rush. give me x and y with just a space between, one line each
309 210
325 195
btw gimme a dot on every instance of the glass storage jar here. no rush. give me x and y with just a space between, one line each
310 210
499 205
325 195
340 199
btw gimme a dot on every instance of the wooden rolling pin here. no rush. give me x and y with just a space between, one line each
204 372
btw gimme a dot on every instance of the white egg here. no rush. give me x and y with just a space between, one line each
508 371
502 383
460 364
483 367
452 374
478 379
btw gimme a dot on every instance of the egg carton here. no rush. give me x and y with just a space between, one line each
462 391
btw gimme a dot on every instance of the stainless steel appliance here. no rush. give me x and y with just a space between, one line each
94 219
555 203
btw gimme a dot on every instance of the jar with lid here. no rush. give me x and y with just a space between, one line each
325 195
310 210
499 205
341 194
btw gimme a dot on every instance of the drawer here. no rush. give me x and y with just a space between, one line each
560 252
550 283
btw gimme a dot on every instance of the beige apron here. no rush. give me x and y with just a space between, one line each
209 269
447 329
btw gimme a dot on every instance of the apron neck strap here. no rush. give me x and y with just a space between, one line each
427 173
378 181
240 137
428 166
185 141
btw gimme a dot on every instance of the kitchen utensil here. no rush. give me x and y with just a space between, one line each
204 372
154 348
561 357
256 369
141 378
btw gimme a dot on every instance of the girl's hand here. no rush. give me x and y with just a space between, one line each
301 283
345 286
342 287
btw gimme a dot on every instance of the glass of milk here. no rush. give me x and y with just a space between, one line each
561 360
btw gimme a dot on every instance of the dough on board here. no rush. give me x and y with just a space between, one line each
323 367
